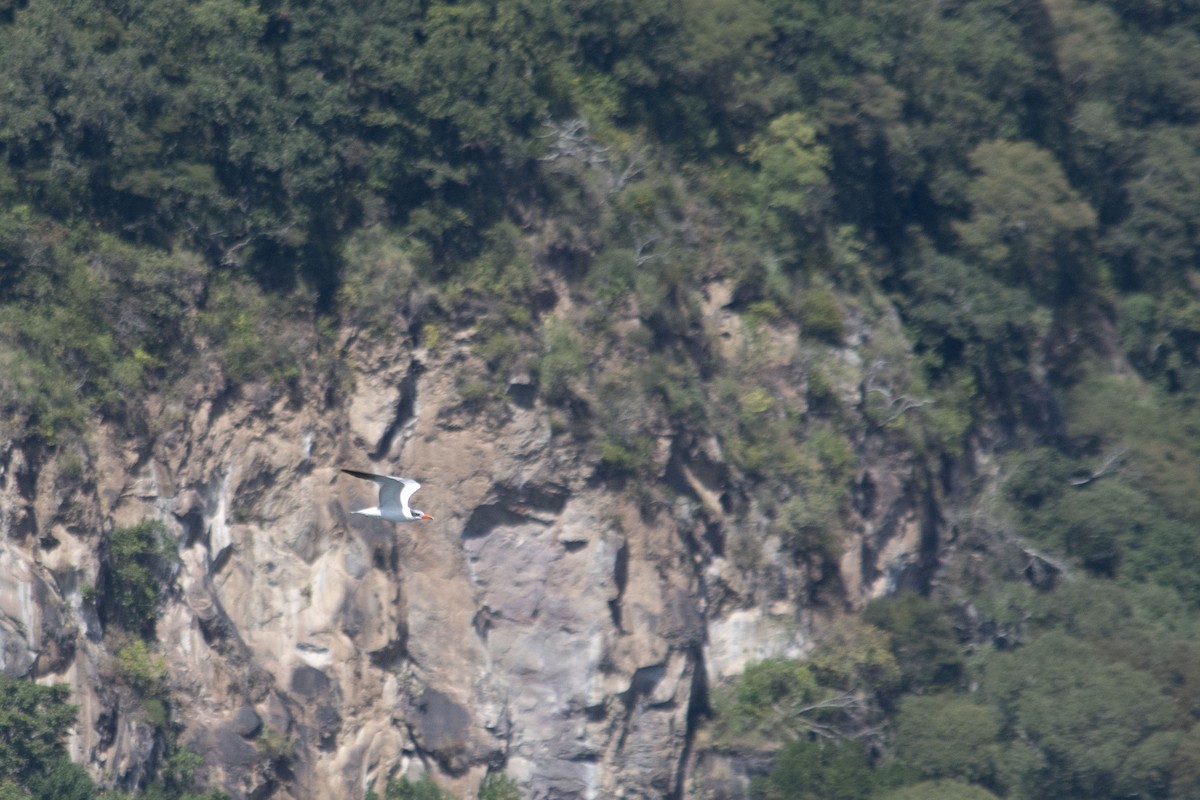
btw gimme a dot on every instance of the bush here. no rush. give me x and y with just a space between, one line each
145 672
244 324
423 789
821 316
940 790
563 360
854 656
923 640
498 786
948 736
766 701
34 722
817 770
135 565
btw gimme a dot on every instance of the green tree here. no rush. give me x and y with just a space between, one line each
940 790
1027 225
923 641
1091 719
820 770
34 723
792 185
422 789
948 736
498 786
135 565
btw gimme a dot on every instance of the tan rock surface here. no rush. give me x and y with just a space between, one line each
544 622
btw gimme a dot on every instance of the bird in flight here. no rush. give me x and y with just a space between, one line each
393 498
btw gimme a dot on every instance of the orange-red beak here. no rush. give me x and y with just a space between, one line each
426 516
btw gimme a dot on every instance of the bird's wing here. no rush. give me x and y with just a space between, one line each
393 492
410 486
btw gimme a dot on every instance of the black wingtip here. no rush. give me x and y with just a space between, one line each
364 475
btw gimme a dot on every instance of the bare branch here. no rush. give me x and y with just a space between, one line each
1111 459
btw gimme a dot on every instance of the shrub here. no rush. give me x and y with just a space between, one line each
498 786
923 639
34 721
135 565
144 671
817 769
769 700
821 316
948 736
422 789
563 360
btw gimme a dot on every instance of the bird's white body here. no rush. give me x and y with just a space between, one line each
394 494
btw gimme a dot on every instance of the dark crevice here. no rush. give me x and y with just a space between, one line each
516 506
698 710
406 407
620 578
486 518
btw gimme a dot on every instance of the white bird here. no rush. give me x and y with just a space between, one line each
393 498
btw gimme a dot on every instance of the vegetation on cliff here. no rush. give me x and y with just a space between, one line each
992 203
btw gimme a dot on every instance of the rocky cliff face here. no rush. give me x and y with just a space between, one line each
548 622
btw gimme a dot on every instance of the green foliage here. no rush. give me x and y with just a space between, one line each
563 360
940 790
275 745
948 736
136 563
94 322
818 770
855 656
422 789
625 455
378 275
34 722
498 786
792 185
143 670
1027 224
773 700
821 315
923 641
65 780
246 327
1085 715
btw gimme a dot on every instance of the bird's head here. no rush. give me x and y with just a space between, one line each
421 515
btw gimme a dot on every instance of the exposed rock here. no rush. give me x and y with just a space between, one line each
545 622
247 722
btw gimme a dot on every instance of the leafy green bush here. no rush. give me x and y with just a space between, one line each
818 770
34 723
423 788
1091 720
940 790
498 786
855 656
821 316
377 275
136 563
143 670
626 455
247 328
563 360
774 698
948 736
923 640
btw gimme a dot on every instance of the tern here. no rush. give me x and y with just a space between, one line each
393 498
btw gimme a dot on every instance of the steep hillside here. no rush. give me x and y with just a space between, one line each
554 623
790 381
